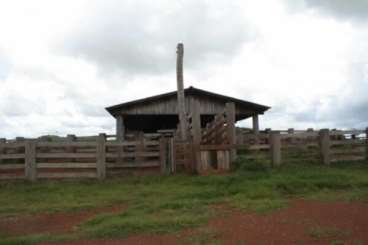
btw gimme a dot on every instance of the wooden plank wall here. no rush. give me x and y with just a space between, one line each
169 106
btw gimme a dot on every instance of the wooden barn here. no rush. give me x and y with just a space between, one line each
160 112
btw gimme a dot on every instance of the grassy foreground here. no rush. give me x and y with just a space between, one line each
160 204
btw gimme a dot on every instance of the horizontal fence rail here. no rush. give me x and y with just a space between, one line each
103 156
324 146
96 157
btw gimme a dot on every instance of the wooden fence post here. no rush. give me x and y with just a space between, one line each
140 148
101 156
324 141
2 149
275 147
163 154
230 119
172 156
223 160
30 164
205 161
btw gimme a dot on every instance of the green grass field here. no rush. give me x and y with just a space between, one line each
162 204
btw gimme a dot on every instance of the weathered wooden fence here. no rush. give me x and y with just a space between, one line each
324 146
34 159
103 156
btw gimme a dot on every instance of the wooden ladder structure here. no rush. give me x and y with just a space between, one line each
210 149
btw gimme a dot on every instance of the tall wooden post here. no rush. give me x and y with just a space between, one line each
230 120
197 134
180 85
324 139
101 156
275 147
30 160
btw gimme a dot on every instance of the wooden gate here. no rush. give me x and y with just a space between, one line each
209 149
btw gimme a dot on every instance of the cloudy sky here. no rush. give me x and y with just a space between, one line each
62 62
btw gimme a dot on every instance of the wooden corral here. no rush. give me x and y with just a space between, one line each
211 119
98 156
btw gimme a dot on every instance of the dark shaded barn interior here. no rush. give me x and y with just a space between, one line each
160 112
152 123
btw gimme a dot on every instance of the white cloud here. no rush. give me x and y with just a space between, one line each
5 65
138 37
62 62
352 9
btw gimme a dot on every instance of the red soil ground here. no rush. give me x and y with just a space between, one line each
56 223
303 222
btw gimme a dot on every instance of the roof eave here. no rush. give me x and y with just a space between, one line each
113 110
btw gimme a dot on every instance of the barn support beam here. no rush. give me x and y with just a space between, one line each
197 134
255 125
120 128
230 117
120 135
